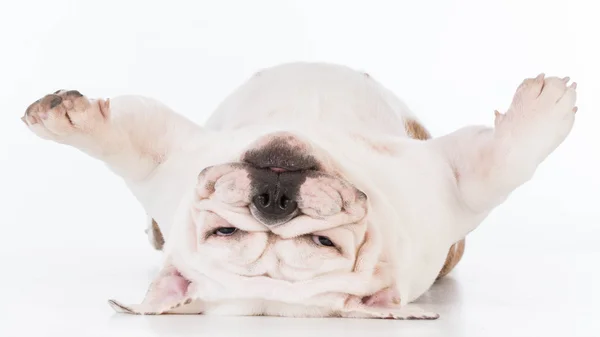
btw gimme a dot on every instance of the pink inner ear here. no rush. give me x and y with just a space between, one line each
387 297
171 287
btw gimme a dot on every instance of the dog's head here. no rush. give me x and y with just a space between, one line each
283 211
282 222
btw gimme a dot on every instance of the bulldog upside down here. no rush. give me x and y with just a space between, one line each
311 191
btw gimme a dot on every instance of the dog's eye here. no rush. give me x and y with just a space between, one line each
322 241
225 231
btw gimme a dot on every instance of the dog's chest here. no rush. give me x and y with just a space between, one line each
335 96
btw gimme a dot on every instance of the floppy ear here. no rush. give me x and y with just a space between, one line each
170 292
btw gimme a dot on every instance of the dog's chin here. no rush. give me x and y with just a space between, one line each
271 222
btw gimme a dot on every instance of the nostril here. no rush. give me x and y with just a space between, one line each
284 202
263 200
274 207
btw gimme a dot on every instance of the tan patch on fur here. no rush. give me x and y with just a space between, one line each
455 254
415 130
159 240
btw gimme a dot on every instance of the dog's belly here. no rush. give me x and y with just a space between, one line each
302 95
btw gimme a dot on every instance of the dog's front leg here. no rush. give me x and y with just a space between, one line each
131 134
490 163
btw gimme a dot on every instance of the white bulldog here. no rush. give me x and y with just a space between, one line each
312 191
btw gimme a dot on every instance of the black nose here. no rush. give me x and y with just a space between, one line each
275 204
274 195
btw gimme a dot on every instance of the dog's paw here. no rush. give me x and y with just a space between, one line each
66 114
542 113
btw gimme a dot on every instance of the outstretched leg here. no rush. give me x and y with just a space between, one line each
490 163
131 134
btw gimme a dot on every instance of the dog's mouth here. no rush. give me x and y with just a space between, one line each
278 169
281 152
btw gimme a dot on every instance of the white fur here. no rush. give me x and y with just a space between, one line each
423 196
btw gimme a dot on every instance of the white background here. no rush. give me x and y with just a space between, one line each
72 235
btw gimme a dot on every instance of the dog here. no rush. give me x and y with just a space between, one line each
311 191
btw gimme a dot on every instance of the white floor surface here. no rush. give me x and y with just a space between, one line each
549 292
531 269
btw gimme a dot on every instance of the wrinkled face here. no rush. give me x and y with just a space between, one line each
281 212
